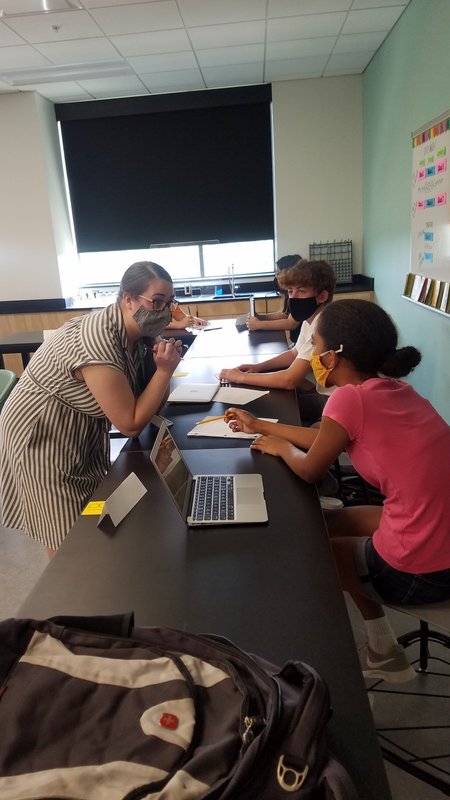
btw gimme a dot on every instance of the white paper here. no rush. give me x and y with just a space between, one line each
219 428
49 333
233 396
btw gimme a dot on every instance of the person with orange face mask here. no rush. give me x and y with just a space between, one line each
398 552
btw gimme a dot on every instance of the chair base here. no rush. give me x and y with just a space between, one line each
425 767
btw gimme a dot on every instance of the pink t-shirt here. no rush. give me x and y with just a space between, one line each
400 445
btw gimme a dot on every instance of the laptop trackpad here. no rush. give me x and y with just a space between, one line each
248 496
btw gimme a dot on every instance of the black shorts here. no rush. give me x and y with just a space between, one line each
395 586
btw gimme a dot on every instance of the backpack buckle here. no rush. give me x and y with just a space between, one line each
290 779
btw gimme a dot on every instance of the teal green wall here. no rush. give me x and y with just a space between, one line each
406 85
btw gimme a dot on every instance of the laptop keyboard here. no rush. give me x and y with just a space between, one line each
213 498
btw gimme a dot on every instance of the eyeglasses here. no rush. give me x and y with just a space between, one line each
158 304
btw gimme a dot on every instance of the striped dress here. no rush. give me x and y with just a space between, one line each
54 437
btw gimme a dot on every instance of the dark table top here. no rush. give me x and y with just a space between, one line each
270 588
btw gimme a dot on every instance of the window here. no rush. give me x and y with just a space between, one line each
185 263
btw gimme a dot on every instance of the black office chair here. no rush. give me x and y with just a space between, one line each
353 490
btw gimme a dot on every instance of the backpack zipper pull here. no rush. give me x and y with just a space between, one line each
250 723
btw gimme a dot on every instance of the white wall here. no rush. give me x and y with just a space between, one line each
35 235
317 127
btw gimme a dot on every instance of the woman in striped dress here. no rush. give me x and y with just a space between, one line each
54 427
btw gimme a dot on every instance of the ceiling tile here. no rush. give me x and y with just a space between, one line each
300 48
138 17
238 75
305 27
219 56
357 4
163 62
234 33
372 19
358 42
213 12
38 27
59 92
113 87
140 44
8 37
5 88
288 69
349 61
103 3
334 73
23 56
79 50
289 8
30 6
177 80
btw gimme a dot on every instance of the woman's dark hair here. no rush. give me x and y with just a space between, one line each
137 277
368 336
287 261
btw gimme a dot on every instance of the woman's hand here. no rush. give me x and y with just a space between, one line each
230 375
239 420
273 445
167 354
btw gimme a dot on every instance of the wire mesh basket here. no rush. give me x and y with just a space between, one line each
339 254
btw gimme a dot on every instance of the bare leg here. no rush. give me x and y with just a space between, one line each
345 527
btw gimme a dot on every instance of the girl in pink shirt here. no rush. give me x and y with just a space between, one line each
398 552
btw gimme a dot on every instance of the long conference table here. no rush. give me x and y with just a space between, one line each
272 588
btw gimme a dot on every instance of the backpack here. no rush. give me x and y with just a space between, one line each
94 709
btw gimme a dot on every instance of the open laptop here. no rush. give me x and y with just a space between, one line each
241 320
207 499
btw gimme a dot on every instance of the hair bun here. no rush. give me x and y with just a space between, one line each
401 362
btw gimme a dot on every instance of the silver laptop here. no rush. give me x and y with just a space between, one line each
193 393
207 499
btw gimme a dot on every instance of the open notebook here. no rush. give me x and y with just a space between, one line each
218 428
207 499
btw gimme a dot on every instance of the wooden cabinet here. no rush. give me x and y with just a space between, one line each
355 296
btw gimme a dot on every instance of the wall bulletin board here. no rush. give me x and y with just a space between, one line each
428 281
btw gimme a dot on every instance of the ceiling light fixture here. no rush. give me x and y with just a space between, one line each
66 72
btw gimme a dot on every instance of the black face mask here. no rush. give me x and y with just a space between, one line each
302 308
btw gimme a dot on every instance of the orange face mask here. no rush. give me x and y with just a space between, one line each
321 373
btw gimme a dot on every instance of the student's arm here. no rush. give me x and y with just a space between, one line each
281 361
113 393
286 323
182 320
272 315
330 441
240 420
289 378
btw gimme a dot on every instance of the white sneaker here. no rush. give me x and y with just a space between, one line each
331 503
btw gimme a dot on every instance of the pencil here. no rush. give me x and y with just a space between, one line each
211 419
189 309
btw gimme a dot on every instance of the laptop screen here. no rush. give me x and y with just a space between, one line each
172 469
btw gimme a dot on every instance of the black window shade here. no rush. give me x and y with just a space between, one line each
173 168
